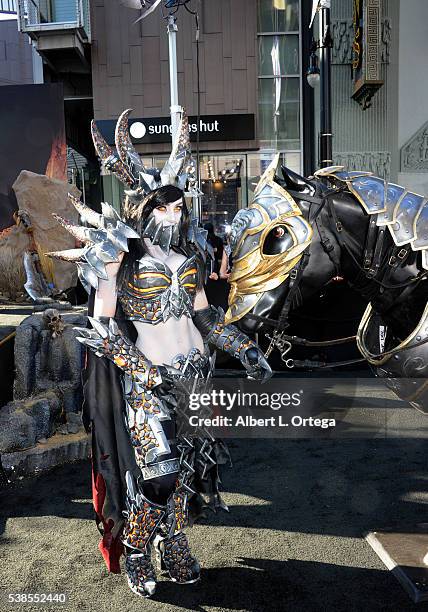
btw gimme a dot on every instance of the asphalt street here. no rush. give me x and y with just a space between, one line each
293 540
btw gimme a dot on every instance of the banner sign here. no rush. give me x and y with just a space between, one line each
158 129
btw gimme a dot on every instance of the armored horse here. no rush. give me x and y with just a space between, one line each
300 233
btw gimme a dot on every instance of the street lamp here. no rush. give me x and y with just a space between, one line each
322 7
313 72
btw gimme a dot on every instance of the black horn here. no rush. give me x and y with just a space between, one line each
295 182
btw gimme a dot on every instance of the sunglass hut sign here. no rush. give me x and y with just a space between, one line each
211 127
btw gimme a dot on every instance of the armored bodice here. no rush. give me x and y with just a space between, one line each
155 293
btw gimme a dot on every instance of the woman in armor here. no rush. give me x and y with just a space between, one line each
151 327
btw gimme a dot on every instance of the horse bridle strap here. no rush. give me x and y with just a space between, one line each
296 339
373 248
293 286
328 246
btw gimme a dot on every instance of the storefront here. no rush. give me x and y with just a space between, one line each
251 97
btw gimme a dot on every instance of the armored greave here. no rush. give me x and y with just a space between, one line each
172 468
173 549
147 522
142 520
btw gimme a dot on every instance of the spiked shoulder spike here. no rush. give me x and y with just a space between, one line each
124 147
103 243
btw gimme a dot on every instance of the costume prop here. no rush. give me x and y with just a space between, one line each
149 481
300 234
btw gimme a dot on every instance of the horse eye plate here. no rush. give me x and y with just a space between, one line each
277 241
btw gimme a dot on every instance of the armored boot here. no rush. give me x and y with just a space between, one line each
178 560
140 572
143 519
173 549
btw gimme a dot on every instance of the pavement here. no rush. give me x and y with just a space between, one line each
11 315
293 540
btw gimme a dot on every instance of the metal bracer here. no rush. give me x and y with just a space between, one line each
108 341
210 322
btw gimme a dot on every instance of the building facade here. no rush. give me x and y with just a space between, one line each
16 54
229 79
246 79
390 137
366 138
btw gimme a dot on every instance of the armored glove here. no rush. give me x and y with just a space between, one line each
210 323
108 341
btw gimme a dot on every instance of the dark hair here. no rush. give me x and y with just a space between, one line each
136 215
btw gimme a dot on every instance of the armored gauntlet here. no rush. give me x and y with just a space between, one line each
108 341
228 338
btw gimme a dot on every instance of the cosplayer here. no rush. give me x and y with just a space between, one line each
151 327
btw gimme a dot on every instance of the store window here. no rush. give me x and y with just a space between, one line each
279 86
278 15
288 53
223 183
288 118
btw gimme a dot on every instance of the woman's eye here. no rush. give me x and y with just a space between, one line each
178 208
161 208
277 241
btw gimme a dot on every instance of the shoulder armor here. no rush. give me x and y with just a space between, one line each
198 237
404 212
102 243
337 172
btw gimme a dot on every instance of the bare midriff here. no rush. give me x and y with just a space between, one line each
162 342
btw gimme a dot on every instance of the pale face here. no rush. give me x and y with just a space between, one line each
168 214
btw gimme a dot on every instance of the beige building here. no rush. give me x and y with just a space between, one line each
250 89
105 58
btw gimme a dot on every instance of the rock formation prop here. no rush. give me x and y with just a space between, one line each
38 197
13 244
47 388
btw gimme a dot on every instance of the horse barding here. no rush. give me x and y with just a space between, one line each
300 233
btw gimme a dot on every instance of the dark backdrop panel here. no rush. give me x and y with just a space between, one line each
32 138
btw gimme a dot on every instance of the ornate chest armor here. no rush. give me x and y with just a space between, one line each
155 293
